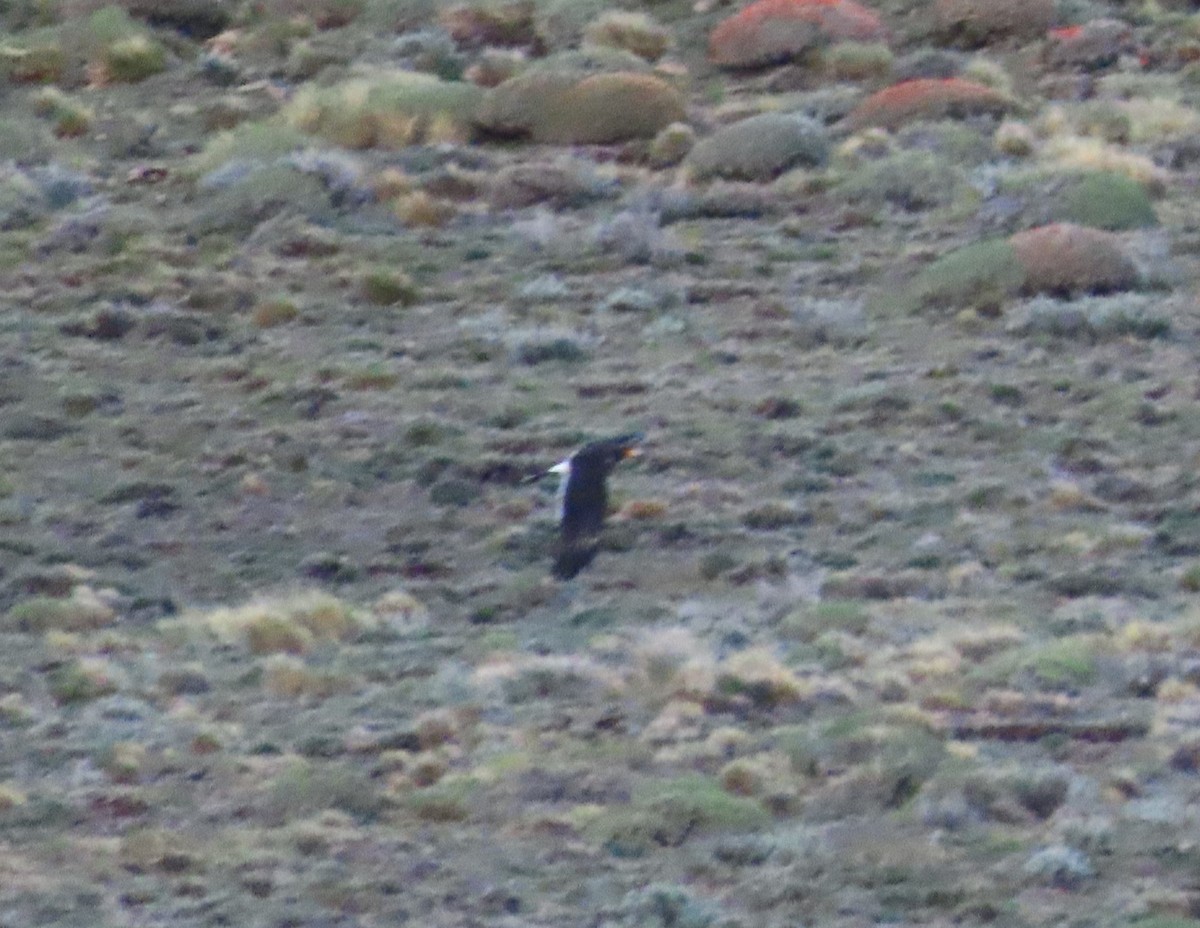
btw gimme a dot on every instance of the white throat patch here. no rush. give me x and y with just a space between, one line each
563 469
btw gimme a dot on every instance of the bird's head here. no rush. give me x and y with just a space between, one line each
608 453
604 454
626 446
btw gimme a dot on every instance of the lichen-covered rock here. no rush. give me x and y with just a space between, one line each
563 184
759 148
482 26
927 98
1066 258
973 23
1097 43
671 145
770 31
568 109
858 61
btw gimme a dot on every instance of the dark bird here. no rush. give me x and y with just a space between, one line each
583 500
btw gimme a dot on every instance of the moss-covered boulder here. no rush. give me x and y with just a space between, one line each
1105 200
1060 259
568 108
979 276
759 148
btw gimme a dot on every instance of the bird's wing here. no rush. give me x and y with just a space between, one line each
579 529
579 540
570 559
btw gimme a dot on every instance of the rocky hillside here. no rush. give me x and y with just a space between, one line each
895 619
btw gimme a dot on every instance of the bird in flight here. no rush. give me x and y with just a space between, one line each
583 499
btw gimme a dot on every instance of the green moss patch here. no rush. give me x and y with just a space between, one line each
980 275
1105 200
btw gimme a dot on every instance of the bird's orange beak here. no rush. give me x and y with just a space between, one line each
632 451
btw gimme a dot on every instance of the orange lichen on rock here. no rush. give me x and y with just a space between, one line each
926 98
1097 43
769 31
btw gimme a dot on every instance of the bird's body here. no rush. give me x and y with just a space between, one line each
583 500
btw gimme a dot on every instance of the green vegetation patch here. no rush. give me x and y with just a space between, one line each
134 59
809 622
909 752
79 612
1093 318
385 287
1165 921
27 61
665 813
857 61
1105 200
291 624
666 905
909 180
445 801
305 788
252 141
1059 664
109 42
260 193
79 681
979 275
1064 663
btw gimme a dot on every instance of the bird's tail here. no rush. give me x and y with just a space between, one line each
570 561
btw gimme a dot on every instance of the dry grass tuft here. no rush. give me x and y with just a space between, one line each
522 678
274 312
291 624
759 675
387 109
1091 154
633 32
644 510
83 680
400 611
11 797
420 210
674 662
1140 635
70 118
83 610
288 677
